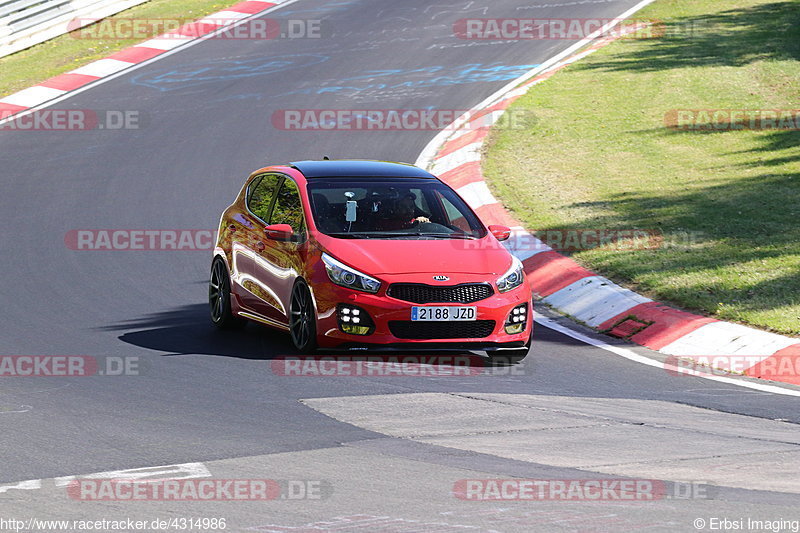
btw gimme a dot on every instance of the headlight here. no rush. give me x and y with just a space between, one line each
513 278
345 276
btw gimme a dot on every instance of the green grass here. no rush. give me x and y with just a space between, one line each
600 156
62 54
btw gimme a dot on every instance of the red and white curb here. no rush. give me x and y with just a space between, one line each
57 87
455 156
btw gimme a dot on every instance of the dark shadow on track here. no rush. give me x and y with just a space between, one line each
187 330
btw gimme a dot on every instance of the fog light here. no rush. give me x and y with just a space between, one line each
517 319
515 328
356 330
354 320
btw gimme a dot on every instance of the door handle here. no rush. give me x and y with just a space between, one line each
260 246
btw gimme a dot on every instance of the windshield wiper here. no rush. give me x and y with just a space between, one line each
354 235
433 235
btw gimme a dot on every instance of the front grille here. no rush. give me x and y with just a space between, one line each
426 294
472 329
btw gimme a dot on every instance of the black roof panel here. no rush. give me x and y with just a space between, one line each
351 168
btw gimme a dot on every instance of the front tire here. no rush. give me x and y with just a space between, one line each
219 297
302 319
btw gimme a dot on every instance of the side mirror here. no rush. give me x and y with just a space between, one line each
279 232
501 233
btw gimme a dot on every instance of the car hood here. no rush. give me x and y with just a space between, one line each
401 256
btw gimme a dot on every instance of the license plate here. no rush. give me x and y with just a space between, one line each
443 313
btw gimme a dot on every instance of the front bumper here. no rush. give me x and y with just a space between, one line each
383 309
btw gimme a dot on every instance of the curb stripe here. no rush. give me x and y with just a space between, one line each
467 154
669 324
779 367
68 81
197 29
549 272
726 338
7 109
477 194
458 143
594 299
136 54
32 96
102 68
251 7
495 213
462 175
166 42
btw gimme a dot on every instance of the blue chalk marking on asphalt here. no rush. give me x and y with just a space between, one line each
381 79
461 74
229 69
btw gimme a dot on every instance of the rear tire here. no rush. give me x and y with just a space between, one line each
219 298
303 319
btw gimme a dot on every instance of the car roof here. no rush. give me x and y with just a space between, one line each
354 168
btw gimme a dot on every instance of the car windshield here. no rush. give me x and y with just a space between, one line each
391 208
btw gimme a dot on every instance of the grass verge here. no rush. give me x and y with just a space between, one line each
601 156
66 52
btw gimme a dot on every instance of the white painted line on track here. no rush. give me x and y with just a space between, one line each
176 471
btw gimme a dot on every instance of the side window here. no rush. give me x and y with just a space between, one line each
260 193
288 207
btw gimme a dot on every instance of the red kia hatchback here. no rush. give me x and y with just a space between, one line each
358 255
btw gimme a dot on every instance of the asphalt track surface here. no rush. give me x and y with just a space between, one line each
208 396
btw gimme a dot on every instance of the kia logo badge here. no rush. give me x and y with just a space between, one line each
441 278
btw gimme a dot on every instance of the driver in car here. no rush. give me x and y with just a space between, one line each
404 215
